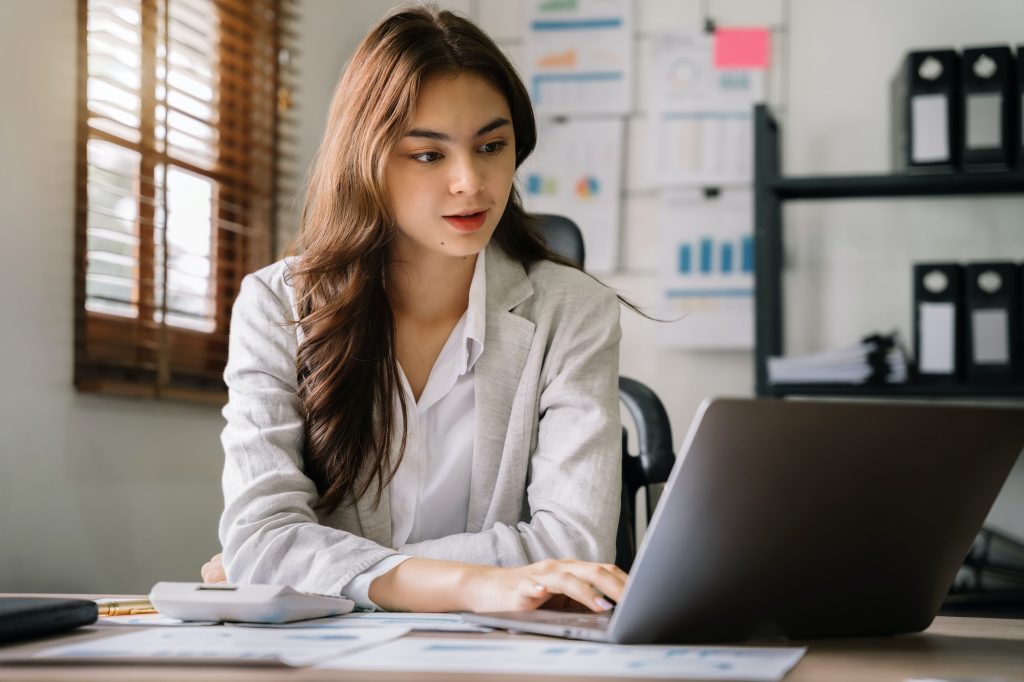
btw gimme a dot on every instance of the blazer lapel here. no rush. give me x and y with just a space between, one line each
507 341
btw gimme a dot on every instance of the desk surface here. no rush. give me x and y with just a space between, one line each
970 648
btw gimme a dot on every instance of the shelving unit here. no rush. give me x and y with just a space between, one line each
771 190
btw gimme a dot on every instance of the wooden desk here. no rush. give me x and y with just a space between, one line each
972 648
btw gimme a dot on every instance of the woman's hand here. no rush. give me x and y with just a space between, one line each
213 570
529 587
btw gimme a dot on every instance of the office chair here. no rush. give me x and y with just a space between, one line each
653 462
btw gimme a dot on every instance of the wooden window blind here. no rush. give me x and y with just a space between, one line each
183 127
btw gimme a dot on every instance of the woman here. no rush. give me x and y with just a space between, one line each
433 326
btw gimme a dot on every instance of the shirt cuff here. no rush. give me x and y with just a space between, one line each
358 589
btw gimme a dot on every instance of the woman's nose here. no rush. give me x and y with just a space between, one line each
467 177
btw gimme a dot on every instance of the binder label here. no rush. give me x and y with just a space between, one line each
990 332
938 331
930 141
984 121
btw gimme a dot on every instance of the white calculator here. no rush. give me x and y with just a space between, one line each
243 603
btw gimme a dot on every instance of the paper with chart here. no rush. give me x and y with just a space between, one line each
579 56
289 647
153 620
701 128
553 657
706 269
576 172
432 622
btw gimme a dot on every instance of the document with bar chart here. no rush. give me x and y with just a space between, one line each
706 247
579 56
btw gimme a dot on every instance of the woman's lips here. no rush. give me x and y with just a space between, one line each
467 223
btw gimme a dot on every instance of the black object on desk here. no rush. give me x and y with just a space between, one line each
27 617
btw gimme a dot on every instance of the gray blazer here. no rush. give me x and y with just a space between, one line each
546 454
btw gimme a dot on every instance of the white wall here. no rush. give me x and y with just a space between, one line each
100 494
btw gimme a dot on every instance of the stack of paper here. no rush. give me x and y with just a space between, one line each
354 644
877 358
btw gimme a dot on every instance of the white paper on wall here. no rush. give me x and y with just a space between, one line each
701 117
575 171
579 56
706 268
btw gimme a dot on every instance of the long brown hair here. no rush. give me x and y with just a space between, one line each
346 366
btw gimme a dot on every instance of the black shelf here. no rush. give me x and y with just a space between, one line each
895 391
863 186
771 189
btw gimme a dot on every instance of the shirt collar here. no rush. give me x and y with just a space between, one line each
476 313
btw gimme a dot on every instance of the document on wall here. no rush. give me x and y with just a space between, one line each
706 269
553 657
579 56
701 116
296 647
576 172
431 622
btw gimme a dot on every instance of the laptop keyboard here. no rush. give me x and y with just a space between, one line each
587 620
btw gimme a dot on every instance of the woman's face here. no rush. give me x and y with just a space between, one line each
450 175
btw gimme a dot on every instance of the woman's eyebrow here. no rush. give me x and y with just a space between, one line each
445 137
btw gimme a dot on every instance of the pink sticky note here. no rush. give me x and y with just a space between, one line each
743 48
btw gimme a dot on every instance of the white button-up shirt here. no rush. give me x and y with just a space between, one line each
430 490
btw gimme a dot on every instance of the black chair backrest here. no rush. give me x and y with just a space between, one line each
562 236
653 463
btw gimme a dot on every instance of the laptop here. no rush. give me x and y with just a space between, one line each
800 519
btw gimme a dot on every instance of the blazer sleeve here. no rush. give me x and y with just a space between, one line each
575 471
269 531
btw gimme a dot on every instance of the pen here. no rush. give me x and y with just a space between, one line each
124 607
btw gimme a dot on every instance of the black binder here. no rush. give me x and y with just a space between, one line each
1020 103
926 111
989 108
27 617
993 322
938 323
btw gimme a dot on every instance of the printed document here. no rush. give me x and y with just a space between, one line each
293 647
554 657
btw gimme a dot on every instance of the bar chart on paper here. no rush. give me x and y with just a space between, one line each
578 56
707 270
709 255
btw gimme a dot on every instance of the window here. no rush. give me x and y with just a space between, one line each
183 120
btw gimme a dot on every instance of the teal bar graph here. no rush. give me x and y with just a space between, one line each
709 256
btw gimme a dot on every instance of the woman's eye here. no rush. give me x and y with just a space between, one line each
492 147
426 157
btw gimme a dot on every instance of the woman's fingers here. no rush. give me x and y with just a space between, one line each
616 571
571 585
532 590
611 581
213 570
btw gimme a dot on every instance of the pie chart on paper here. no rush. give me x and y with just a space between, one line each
587 187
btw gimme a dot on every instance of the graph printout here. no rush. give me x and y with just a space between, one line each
706 251
701 117
550 656
575 171
579 56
